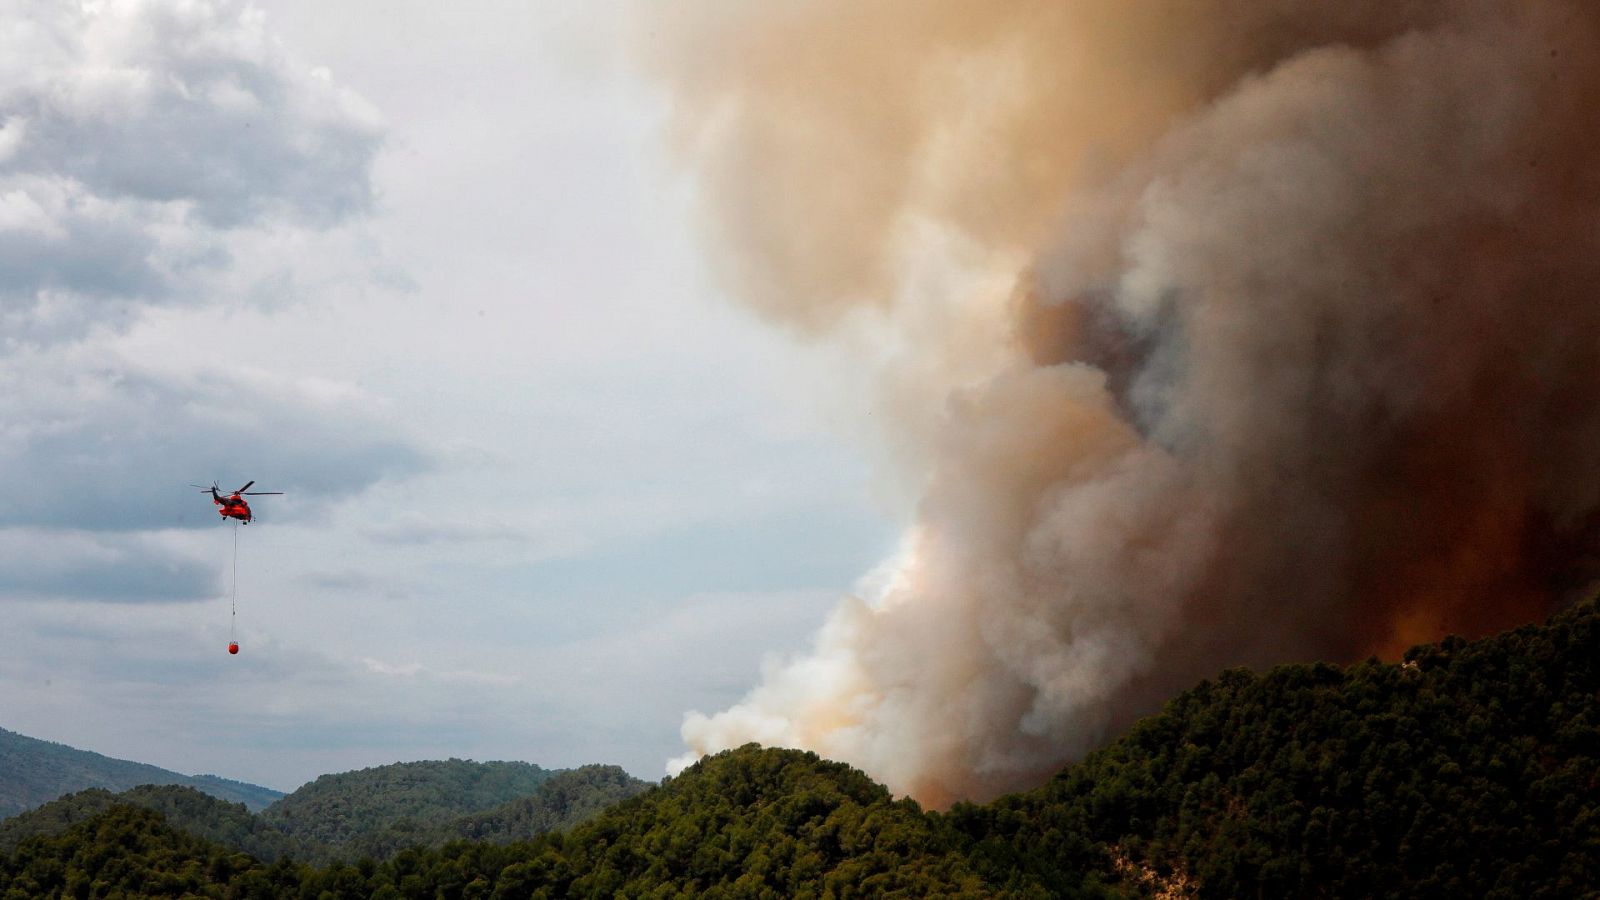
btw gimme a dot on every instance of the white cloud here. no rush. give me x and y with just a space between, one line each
11 133
521 440
382 668
136 138
93 442
120 568
153 156
22 212
418 670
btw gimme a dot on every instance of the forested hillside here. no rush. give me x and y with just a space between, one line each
34 772
750 822
1470 768
128 851
253 796
391 822
184 808
562 801
408 798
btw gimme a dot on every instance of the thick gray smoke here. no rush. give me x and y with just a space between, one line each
1216 333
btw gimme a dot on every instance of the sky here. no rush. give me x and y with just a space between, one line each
432 271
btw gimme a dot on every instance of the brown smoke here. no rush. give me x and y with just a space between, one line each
1299 357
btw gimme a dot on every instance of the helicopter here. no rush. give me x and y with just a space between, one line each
234 506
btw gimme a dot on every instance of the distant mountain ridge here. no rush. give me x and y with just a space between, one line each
47 787
34 772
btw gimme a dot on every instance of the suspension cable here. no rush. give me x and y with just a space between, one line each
233 618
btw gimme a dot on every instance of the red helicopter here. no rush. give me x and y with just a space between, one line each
234 506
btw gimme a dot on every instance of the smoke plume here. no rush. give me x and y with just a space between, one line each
1224 332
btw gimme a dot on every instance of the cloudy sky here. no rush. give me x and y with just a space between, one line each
430 270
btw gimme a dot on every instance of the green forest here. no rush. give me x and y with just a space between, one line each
1469 768
371 813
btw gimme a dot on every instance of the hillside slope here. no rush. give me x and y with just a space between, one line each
752 822
402 799
128 851
1469 769
183 808
33 772
562 800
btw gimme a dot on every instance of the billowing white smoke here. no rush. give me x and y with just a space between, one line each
1303 359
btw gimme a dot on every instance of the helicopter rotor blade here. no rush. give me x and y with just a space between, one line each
245 488
259 493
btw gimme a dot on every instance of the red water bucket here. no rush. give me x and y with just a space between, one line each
233 646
